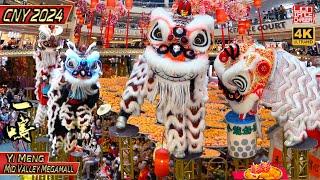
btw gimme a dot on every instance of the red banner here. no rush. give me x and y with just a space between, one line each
277 156
314 165
34 14
34 163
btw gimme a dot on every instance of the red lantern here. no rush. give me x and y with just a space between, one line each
221 16
248 23
81 20
76 39
257 3
242 23
161 162
111 32
89 25
93 4
78 12
111 3
129 4
241 30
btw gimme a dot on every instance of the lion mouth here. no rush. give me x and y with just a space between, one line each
231 96
174 77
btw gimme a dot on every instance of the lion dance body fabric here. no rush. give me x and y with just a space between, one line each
251 75
47 57
73 95
174 68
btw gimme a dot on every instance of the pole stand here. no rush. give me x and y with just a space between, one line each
185 168
241 164
299 158
125 148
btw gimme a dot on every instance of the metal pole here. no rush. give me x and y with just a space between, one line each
261 29
127 33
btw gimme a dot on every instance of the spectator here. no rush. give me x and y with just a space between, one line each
276 13
282 11
86 141
4 116
97 129
92 158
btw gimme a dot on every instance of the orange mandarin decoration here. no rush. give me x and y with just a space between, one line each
216 109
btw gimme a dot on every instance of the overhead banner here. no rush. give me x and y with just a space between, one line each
34 14
303 36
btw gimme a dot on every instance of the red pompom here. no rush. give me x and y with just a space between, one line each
263 68
223 57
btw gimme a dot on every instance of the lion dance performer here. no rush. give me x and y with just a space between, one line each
251 75
73 95
174 66
47 58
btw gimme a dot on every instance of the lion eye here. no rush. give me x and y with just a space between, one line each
156 33
71 63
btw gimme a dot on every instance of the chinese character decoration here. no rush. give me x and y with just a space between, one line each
22 129
303 14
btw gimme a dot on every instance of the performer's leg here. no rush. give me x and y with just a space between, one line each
176 135
195 126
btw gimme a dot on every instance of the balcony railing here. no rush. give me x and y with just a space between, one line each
103 52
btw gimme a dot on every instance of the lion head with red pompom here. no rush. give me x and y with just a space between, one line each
243 71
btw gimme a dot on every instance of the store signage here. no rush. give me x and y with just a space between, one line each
303 36
34 14
266 27
303 14
34 163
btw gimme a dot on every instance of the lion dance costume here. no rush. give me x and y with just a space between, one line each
73 95
251 75
47 57
174 66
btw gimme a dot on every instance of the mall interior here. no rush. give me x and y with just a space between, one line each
180 90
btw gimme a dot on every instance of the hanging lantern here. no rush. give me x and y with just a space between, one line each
81 20
89 25
257 3
248 23
129 4
78 12
111 3
93 4
241 29
161 162
221 16
242 23
109 36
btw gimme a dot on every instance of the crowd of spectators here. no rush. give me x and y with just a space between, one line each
101 157
7 115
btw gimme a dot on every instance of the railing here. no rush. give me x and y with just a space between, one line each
103 52
150 4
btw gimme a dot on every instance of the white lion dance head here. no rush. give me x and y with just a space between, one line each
174 66
178 45
47 57
249 74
